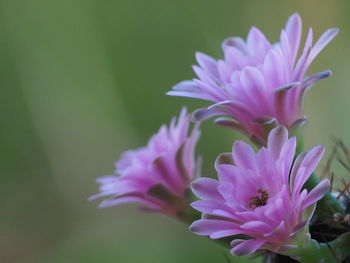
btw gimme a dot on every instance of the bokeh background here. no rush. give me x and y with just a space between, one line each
83 80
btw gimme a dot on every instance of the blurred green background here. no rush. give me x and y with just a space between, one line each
84 80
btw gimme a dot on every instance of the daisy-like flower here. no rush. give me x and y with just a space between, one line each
258 85
260 196
158 175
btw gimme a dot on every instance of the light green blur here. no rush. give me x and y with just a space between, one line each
83 80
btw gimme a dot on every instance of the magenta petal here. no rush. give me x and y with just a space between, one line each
277 137
307 166
205 227
186 85
225 233
189 94
234 42
127 199
296 166
247 247
207 63
293 30
316 77
316 193
206 188
244 155
205 113
229 123
302 65
255 40
258 226
280 228
287 153
208 206
322 42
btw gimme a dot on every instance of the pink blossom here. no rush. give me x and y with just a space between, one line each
257 84
259 196
155 176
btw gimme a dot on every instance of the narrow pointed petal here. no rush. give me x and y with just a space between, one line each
316 193
206 188
225 233
247 247
229 123
257 226
205 113
307 166
207 63
293 30
244 155
234 42
322 42
277 137
205 227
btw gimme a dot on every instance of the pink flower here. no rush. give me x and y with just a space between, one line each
257 83
155 176
259 196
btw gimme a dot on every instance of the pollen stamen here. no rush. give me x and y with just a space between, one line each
259 200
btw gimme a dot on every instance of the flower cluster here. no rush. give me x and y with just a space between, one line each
257 83
263 200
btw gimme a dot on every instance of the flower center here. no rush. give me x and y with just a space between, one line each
259 200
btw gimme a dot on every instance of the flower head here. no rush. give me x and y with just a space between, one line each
259 196
257 84
157 175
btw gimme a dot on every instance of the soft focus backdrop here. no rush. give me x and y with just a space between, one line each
83 80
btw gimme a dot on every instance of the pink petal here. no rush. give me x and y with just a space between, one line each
287 156
301 66
234 42
207 63
254 84
208 86
276 139
128 199
235 57
208 206
224 71
280 228
255 39
322 42
293 30
189 94
287 53
205 227
206 188
298 161
229 123
244 155
307 166
247 247
256 226
225 233
272 69
186 85
205 113
316 193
